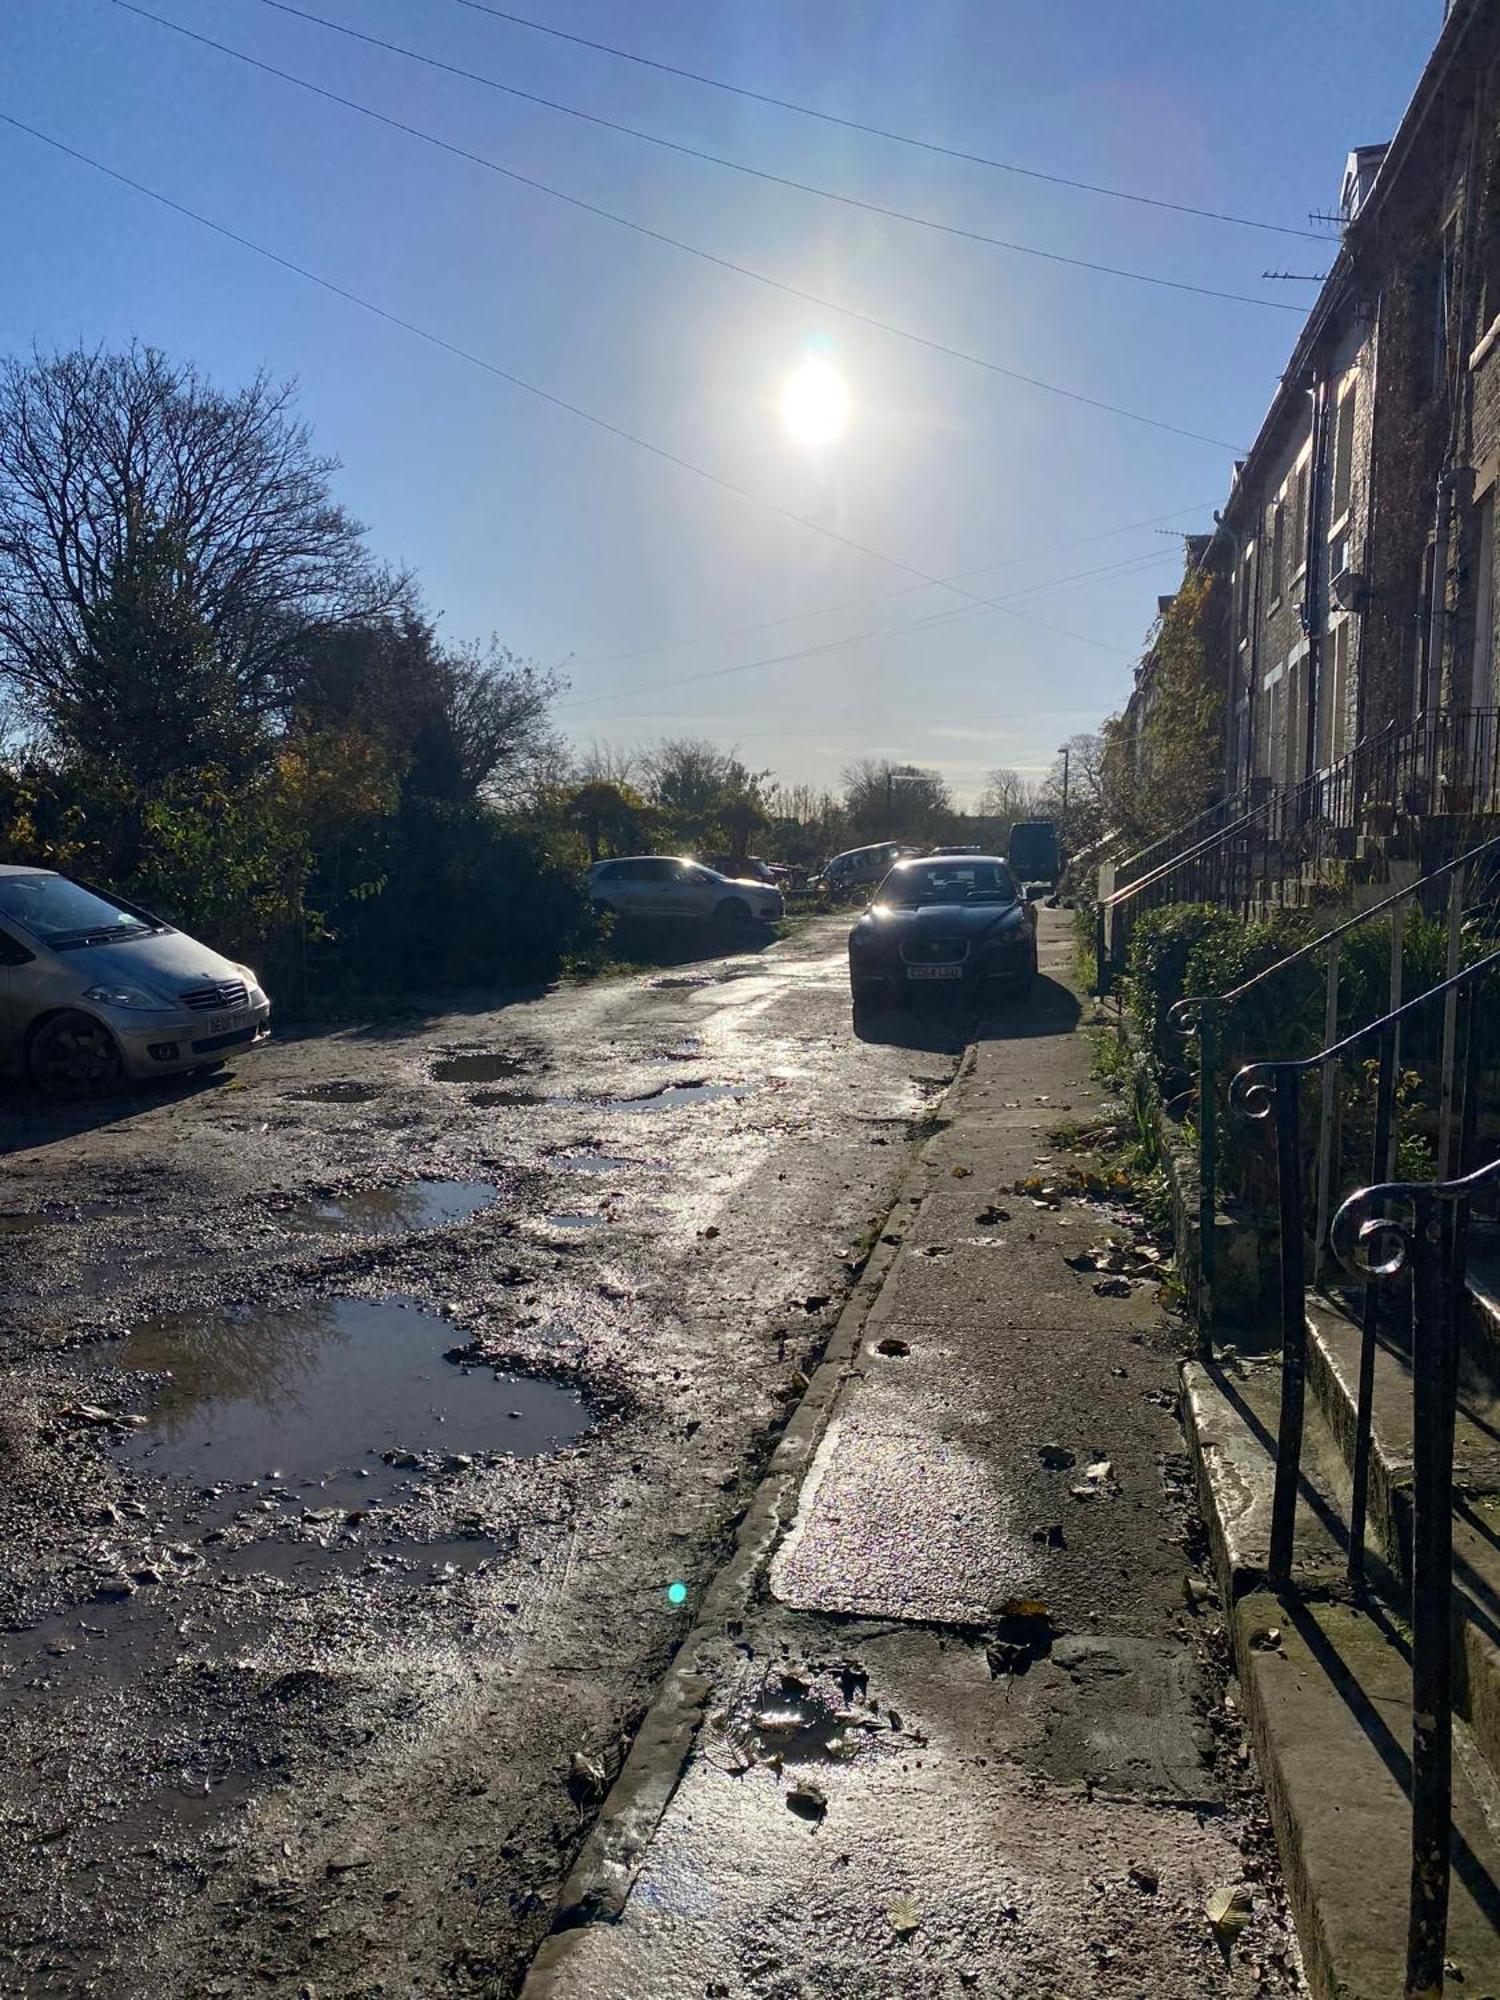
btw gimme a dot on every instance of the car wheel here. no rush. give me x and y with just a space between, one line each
73 1055
732 911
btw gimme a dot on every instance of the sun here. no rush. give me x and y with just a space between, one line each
815 403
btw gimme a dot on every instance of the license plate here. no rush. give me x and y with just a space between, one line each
227 1024
934 972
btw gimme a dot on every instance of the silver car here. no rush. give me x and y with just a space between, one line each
665 885
93 990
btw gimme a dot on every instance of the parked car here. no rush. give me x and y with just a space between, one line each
93 989
661 885
859 867
752 869
943 921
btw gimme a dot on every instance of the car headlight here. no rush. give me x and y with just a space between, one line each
124 996
252 984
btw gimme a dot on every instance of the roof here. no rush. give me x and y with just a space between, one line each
20 868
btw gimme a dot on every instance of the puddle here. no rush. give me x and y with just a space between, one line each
668 1096
592 1163
392 1211
800 1722
510 1097
314 1394
569 1219
484 1065
342 1090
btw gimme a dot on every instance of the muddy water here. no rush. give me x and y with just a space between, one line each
483 1065
315 1394
392 1211
670 1096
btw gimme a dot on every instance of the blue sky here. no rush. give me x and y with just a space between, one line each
586 553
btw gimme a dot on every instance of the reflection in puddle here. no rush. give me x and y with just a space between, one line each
484 1065
592 1163
299 1394
392 1211
668 1096
572 1220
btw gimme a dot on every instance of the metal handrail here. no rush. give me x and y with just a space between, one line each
1269 1090
1194 853
1177 833
1430 1248
1203 1015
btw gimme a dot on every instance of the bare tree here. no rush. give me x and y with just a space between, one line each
889 801
110 461
605 764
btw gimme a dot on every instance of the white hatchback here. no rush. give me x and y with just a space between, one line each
661 885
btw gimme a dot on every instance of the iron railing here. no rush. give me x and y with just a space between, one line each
1389 1231
1272 1090
1210 821
1206 1016
1422 1228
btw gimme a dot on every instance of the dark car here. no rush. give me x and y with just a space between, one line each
956 921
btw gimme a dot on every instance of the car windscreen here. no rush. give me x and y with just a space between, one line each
948 882
63 913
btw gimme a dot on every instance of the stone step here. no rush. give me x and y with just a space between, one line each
1327 1691
1333 1377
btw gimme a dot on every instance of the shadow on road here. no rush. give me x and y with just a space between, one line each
944 1025
29 1119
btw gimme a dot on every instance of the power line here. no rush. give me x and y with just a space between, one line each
719 160
905 590
676 243
547 396
961 611
881 132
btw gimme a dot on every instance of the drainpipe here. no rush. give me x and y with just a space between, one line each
1437 607
1312 612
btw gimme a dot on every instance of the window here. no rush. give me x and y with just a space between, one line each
1247 590
1299 517
13 952
1333 716
1482 672
1278 549
1343 452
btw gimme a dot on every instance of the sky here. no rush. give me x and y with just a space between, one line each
670 600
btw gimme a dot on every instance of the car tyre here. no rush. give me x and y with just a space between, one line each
73 1055
733 911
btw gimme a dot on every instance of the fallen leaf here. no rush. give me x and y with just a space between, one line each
903 1916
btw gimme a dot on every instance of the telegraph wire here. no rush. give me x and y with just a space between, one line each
714 159
548 396
708 256
881 132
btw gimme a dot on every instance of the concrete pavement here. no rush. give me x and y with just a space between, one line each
951 1721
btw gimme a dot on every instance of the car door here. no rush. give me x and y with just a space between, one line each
633 890
698 893
17 1004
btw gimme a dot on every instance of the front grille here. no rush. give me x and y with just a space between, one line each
935 950
227 994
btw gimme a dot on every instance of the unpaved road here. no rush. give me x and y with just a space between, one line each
338 1523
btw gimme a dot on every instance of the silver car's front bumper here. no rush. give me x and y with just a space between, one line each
160 1044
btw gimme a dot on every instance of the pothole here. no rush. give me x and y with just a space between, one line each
575 1219
486 1065
670 1096
592 1163
342 1394
341 1090
391 1211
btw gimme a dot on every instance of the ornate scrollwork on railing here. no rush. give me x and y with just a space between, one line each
1252 1094
1359 1226
1185 1016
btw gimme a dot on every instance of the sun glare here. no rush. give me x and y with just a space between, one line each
815 403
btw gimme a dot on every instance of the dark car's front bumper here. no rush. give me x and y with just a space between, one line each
1006 960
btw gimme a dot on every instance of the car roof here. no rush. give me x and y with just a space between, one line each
20 868
923 860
